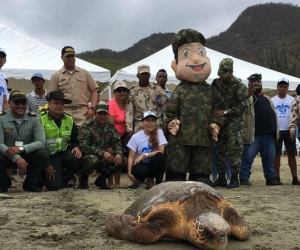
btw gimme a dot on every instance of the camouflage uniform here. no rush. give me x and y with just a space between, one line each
190 149
235 101
295 113
94 141
139 102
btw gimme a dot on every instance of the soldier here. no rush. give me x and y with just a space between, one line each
61 142
22 144
189 111
102 148
233 106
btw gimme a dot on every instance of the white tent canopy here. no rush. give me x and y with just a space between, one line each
26 56
242 69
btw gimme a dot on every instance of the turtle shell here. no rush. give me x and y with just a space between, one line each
196 195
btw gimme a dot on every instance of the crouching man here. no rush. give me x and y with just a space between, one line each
22 144
61 142
102 148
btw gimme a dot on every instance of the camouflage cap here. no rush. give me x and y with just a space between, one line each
187 36
101 107
225 67
143 69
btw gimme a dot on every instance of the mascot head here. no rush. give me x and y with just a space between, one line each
191 63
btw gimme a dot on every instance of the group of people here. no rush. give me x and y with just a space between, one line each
146 129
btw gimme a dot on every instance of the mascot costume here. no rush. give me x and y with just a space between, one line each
189 111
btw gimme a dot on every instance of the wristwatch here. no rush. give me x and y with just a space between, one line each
146 155
93 108
22 149
225 112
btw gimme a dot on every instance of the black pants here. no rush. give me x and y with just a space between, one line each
66 165
37 160
154 169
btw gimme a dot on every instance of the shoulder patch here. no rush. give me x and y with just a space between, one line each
32 114
3 113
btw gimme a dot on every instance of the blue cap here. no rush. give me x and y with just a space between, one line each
39 75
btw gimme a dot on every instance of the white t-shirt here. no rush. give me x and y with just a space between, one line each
139 143
283 108
3 90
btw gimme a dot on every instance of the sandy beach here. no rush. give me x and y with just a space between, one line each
74 219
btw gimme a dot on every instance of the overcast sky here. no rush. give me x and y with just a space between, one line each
117 24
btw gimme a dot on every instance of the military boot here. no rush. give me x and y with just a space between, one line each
234 181
100 182
83 181
221 181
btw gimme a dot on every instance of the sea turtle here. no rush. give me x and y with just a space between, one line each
183 210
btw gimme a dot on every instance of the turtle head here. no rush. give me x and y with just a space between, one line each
209 231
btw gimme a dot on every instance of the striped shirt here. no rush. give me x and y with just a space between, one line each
34 102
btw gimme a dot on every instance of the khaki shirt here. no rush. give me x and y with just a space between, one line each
31 132
75 86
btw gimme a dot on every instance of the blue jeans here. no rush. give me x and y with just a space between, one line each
265 145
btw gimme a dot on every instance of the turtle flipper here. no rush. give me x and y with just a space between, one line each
239 227
127 227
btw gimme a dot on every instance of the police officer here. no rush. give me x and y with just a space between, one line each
102 148
22 144
61 142
233 107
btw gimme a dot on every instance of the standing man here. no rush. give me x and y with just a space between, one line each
36 100
232 107
102 148
161 79
3 86
61 142
22 144
283 107
76 84
260 133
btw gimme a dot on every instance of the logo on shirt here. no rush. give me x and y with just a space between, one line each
147 149
282 108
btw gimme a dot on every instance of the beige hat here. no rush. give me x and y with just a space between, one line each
143 69
119 84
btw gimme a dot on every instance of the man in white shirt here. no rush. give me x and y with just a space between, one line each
3 85
283 106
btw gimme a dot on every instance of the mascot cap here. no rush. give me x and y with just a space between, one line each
225 66
185 36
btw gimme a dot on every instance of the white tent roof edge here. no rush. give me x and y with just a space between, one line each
242 69
27 56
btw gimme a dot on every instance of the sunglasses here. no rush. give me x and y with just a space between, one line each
18 102
119 90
